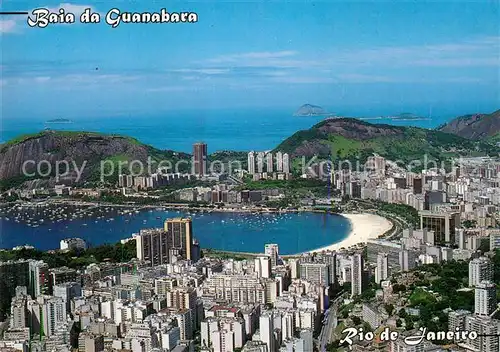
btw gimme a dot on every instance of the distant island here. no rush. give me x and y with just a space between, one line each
58 121
310 110
408 116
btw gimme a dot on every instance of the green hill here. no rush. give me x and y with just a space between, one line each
85 151
476 126
352 139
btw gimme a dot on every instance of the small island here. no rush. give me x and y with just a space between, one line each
407 116
60 120
310 110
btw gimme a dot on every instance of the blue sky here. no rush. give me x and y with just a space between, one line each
351 57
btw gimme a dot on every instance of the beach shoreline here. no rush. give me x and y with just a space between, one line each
363 227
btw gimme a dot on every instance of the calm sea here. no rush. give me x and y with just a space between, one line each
221 130
294 233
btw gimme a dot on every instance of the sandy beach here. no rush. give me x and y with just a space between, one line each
363 227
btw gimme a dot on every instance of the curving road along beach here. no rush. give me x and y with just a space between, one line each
363 228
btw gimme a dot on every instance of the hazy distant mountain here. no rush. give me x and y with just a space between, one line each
476 126
310 110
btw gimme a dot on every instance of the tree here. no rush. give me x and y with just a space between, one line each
356 320
389 308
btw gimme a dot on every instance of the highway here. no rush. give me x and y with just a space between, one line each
331 324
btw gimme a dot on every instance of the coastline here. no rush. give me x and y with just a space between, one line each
363 227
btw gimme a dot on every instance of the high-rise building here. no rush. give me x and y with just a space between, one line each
494 239
272 250
286 163
266 327
47 313
200 159
13 274
417 186
260 162
269 162
19 312
487 330
443 225
263 266
317 273
279 161
485 298
357 265
251 163
154 245
407 259
67 291
480 269
39 278
180 230
382 270
456 319
88 342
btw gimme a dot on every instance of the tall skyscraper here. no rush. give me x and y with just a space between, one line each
47 313
181 232
272 250
163 246
251 163
480 269
39 282
153 245
382 270
286 163
487 330
200 159
318 273
357 265
266 327
279 161
485 298
269 162
407 259
443 225
263 266
260 162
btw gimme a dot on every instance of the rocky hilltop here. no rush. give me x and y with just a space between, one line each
353 139
77 148
476 126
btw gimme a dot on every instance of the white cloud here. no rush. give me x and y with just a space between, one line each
203 71
168 89
8 26
75 9
303 79
477 52
42 79
362 78
253 55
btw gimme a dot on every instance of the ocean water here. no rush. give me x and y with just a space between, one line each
243 232
221 129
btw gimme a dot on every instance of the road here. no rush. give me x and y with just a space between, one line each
331 324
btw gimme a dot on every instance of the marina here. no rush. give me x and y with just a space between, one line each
44 225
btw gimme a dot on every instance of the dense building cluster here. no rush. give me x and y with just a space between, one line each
266 165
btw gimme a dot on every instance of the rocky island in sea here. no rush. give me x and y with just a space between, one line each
59 120
310 110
